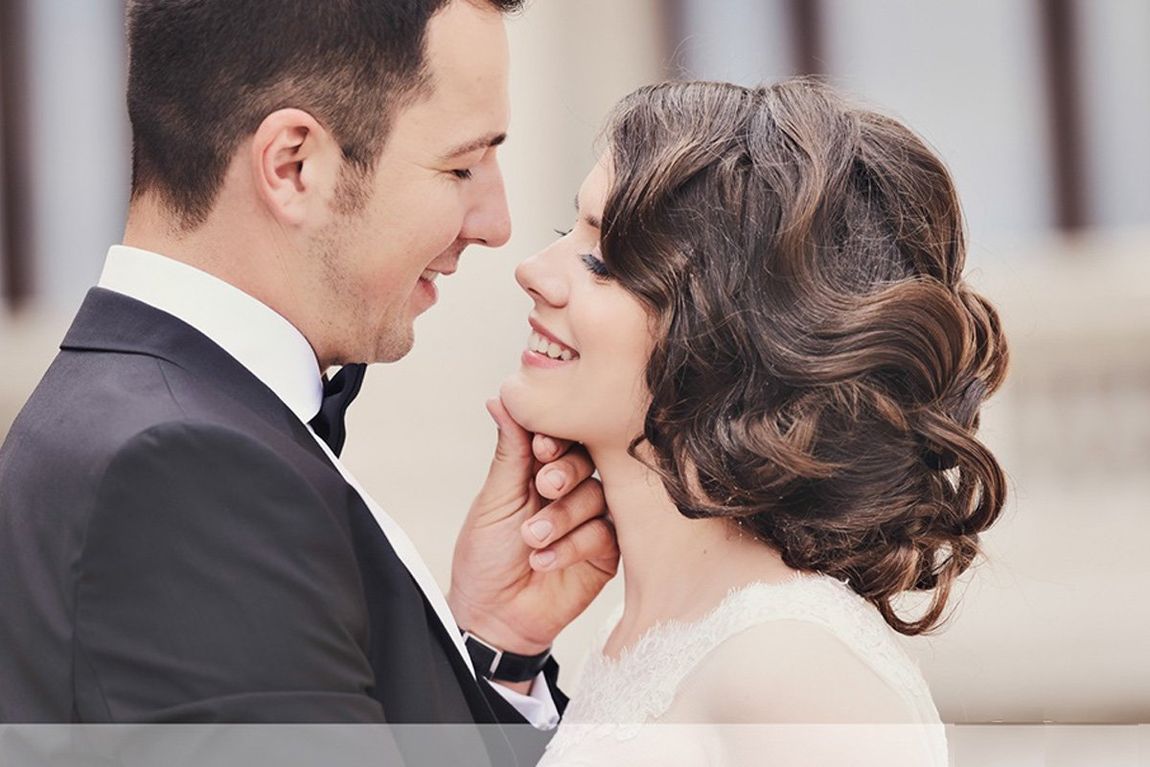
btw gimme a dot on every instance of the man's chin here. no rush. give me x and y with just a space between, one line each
394 346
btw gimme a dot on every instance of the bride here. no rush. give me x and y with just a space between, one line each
759 329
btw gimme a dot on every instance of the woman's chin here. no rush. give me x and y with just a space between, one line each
529 410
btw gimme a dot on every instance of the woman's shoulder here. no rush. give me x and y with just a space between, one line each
808 650
790 671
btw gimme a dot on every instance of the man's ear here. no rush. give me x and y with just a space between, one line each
295 166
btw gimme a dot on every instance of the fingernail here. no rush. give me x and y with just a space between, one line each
554 478
547 446
544 559
541 528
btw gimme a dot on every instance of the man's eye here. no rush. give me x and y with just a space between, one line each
462 173
562 232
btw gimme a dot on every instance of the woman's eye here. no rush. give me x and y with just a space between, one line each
463 173
595 265
562 232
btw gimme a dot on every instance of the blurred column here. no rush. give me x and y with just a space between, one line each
674 29
77 148
807 28
1115 99
1064 109
15 273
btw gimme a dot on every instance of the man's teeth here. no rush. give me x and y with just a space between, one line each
429 275
550 348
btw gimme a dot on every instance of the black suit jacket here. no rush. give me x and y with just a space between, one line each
175 547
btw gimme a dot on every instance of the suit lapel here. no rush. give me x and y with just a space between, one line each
111 322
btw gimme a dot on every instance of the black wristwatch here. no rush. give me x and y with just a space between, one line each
493 663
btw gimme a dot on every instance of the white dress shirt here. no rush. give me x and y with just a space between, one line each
276 353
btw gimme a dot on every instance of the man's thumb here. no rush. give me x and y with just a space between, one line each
513 459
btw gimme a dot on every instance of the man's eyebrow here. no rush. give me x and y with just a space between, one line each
591 220
490 140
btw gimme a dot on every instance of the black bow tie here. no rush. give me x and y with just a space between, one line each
338 394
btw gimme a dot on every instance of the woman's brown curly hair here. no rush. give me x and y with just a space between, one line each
820 362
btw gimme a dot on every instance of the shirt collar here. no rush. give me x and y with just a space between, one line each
259 338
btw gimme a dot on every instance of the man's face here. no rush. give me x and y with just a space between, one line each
437 188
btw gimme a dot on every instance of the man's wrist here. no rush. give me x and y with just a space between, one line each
494 663
482 623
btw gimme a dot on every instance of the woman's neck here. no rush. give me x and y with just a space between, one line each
673 567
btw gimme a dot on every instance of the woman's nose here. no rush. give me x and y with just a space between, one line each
542 278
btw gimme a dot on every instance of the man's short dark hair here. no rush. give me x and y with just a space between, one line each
203 75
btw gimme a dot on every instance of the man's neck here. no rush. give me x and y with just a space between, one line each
151 227
245 257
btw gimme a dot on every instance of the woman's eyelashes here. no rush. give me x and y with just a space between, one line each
595 266
462 173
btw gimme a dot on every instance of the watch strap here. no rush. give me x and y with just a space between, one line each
492 663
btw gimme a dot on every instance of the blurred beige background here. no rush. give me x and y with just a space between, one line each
1054 626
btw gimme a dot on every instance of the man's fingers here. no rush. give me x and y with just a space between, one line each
558 518
549 448
508 487
556 478
593 542
513 442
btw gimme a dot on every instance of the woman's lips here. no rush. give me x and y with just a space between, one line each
547 347
548 337
537 360
545 350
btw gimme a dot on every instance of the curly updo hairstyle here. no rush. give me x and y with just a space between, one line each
820 362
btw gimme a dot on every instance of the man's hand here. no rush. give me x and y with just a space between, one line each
536 547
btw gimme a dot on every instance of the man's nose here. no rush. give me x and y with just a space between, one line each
489 222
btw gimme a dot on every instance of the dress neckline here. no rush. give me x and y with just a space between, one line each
656 631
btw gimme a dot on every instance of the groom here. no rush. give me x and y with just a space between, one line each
179 541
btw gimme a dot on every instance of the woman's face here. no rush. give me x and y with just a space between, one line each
582 374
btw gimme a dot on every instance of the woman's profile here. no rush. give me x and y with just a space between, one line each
759 328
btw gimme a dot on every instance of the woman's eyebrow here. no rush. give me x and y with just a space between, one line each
591 220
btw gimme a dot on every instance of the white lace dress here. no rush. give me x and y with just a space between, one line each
638 709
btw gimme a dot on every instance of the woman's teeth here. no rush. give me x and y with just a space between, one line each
553 350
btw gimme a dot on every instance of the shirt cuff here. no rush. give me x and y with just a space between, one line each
538 707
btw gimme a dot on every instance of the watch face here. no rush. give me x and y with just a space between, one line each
483 656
